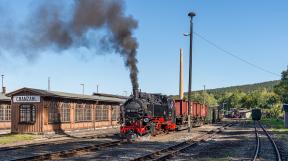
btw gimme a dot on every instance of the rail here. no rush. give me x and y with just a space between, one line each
257 149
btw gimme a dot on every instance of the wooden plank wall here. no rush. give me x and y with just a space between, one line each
17 127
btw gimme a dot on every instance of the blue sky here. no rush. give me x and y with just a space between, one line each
253 30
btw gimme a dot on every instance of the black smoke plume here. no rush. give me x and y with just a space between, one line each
51 26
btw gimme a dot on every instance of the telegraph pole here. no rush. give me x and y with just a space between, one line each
191 15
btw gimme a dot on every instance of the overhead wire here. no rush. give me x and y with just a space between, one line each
234 55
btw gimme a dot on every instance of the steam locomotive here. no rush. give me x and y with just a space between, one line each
145 113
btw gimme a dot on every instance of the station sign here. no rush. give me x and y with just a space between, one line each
26 99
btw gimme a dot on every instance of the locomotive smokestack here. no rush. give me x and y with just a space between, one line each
136 92
181 79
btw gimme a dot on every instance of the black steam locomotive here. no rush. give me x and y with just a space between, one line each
147 113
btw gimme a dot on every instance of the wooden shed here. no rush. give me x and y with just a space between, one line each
41 111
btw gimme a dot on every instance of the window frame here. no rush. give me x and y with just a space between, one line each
53 113
32 115
83 110
65 112
5 110
104 109
115 108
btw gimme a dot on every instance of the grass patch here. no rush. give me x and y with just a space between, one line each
273 123
13 138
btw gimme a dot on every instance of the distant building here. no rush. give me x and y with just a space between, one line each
5 111
41 111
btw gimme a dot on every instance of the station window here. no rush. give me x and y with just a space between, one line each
102 113
98 112
59 112
5 113
65 112
27 114
54 113
115 112
87 112
83 112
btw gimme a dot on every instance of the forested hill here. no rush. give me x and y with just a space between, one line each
245 88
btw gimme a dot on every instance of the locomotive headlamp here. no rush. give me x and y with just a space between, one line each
146 120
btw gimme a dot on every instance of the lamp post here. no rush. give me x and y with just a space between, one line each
191 15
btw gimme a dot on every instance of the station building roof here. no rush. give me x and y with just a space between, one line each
57 94
110 95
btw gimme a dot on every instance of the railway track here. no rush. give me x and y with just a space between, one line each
258 143
61 148
70 152
169 152
49 143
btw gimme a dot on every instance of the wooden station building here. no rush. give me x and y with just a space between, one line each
41 111
5 111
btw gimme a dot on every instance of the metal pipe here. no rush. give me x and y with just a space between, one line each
3 88
191 15
2 77
82 88
135 92
49 84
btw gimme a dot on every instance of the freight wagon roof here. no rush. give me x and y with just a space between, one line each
46 93
3 97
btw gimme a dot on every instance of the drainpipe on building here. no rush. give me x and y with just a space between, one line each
4 90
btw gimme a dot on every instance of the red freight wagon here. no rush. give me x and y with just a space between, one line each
181 107
204 111
199 113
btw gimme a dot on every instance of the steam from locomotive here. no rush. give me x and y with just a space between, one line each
54 26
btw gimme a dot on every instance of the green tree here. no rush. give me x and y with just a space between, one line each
232 99
203 97
282 88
